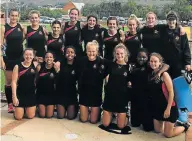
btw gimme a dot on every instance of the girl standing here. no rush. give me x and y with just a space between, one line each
111 37
36 35
12 35
55 42
72 31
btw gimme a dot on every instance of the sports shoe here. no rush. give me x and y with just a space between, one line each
10 108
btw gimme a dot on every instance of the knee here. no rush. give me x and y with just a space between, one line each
30 116
93 121
167 135
71 117
106 124
18 117
60 117
41 115
83 119
120 126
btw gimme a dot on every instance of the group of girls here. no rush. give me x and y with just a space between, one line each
56 76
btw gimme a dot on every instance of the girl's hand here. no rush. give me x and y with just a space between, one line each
167 113
15 101
57 66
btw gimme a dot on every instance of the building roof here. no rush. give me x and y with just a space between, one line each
79 6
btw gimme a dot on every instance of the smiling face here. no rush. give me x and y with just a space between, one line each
74 14
34 19
112 25
56 29
142 58
92 52
49 58
151 19
155 62
120 55
14 16
28 56
132 25
91 22
70 54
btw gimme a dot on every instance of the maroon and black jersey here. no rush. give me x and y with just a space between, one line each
55 45
110 42
36 40
14 40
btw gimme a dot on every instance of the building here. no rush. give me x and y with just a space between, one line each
71 5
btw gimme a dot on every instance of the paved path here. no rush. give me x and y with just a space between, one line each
38 129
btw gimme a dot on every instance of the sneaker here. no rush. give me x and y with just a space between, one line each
10 108
186 126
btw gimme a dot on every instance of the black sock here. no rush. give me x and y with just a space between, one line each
8 94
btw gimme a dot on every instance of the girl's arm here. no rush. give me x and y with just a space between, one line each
122 35
14 85
24 32
168 83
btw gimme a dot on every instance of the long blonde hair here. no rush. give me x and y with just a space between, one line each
121 46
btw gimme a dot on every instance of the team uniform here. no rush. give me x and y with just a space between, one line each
14 47
36 40
90 84
88 35
151 38
26 86
133 44
140 98
55 45
46 86
159 95
116 92
110 42
176 51
72 37
66 92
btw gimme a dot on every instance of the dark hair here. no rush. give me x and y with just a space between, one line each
74 9
143 50
112 18
30 49
92 16
51 53
56 22
13 10
69 47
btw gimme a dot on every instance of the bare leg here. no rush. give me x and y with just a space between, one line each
171 131
19 113
158 126
84 113
30 112
50 111
60 111
42 110
95 113
106 120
